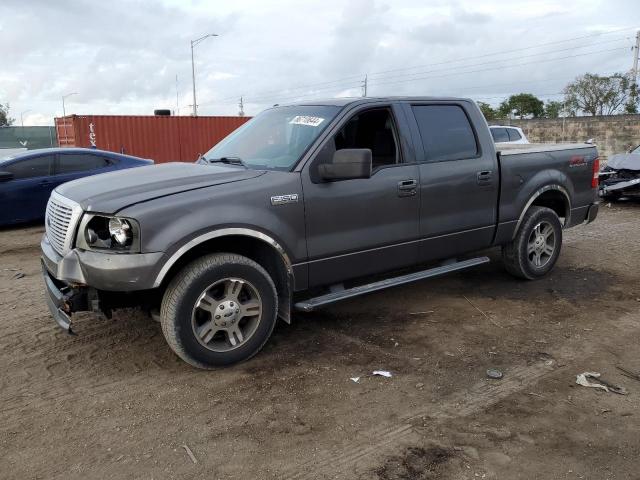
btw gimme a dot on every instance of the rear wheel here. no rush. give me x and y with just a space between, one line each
535 249
219 310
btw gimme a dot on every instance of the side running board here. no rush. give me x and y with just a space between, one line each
332 297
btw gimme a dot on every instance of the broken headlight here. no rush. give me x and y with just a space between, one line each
102 232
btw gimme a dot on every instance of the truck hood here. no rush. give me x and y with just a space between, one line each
624 161
110 192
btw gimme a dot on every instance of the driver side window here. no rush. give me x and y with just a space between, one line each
372 129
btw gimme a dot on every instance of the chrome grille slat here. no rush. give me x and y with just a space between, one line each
62 216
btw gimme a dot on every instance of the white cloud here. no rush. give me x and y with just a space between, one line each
123 57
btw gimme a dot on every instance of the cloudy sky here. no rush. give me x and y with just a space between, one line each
123 56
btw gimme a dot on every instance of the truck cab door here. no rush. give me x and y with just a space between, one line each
363 226
459 178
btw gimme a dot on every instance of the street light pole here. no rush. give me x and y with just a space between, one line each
22 117
193 69
64 114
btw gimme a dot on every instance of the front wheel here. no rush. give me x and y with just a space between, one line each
219 310
535 249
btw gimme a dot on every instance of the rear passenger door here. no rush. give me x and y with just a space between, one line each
70 166
459 179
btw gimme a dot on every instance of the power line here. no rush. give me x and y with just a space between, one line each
506 51
501 60
284 97
268 94
500 67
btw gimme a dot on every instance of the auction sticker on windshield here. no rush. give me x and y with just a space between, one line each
306 120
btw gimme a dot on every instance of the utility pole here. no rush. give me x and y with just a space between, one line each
633 100
364 86
636 53
193 69
241 107
177 101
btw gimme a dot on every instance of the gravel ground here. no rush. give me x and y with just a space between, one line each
115 402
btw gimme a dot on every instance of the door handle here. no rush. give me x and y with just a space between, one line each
484 177
407 188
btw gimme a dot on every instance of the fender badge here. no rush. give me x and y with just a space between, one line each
282 199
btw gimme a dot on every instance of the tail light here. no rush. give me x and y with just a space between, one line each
596 172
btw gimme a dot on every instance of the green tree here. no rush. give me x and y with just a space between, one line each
522 105
488 111
632 104
553 109
5 120
598 95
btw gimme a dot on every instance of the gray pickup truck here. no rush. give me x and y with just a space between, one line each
306 205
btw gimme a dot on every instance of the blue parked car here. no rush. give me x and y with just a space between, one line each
27 179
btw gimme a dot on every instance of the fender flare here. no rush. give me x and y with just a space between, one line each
223 232
536 194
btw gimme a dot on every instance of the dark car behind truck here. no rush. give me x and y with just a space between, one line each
298 208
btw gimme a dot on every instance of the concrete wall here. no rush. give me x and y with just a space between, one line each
612 133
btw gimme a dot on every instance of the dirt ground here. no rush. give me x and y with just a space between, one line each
114 402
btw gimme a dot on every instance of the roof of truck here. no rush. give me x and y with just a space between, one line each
344 101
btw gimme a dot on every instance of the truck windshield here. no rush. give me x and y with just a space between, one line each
275 139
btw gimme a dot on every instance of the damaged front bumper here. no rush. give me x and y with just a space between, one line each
63 299
92 281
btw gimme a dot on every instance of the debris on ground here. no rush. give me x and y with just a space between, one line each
494 373
421 313
583 380
484 314
18 276
355 379
382 373
190 453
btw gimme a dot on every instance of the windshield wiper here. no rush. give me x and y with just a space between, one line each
228 161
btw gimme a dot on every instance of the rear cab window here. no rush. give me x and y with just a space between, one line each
499 135
446 132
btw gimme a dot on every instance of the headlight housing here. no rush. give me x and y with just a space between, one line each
109 233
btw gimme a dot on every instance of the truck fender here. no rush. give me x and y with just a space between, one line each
537 194
284 307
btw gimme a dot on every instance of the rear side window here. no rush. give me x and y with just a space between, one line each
514 134
78 162
31 167
499 135
446 132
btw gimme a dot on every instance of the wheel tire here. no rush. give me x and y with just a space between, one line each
184 293
515 255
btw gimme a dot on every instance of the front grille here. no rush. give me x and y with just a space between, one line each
60 221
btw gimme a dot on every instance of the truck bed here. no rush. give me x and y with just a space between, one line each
528 169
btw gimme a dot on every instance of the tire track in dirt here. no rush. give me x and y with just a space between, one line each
340 461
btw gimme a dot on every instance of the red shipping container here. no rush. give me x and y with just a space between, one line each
160 138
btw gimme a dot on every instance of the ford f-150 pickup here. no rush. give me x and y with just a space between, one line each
305 205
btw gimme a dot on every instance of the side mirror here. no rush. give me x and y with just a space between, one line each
347 164
6 176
